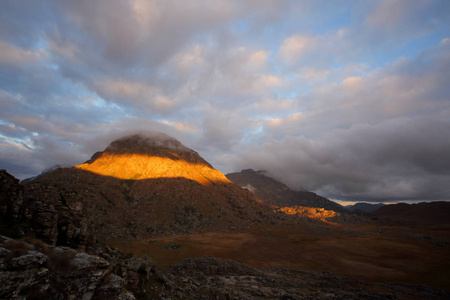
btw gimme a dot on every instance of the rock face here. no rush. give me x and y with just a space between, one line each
319 214
34 270
273 192
52 215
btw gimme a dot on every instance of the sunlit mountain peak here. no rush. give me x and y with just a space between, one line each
153 155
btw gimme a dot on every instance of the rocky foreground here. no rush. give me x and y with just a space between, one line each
30 269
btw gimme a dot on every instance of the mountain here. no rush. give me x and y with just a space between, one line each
150 156
432 213
365 207
139 186
273 192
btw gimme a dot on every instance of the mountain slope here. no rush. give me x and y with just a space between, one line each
273 192
149 185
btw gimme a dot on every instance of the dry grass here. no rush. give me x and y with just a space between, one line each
381 257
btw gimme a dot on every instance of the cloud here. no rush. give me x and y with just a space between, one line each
258 59
401 17
258 84
11 55
352 83
142 95
190 60
295 47
381 136
398 159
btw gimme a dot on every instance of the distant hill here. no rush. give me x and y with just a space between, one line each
365 207
46 171
432 213
273 192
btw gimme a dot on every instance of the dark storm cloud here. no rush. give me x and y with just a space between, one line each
396 159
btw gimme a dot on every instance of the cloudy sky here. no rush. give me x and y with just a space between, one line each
350 99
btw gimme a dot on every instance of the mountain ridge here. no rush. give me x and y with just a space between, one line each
364 207
436 213
274 192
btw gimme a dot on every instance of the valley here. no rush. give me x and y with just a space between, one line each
372 253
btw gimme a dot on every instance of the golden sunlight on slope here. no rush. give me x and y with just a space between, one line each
140 166
319 214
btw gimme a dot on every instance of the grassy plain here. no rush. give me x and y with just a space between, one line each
373 253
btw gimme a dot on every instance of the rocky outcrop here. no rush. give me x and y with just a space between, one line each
30 269
50 214
319 214
215 278
41 271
